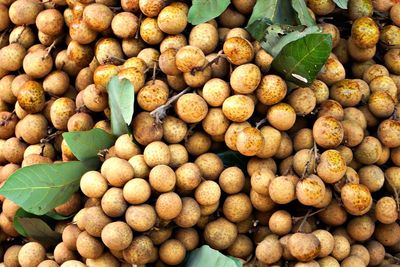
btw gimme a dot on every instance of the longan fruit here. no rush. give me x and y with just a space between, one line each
191 108
24 12
210 165
93 184
331 108
360 251
371 176
271 90
152 96
388 131
117 171
38 63
62 254
167 62
174 129
282 190
280 222
22 35
94 98
88 246
356 198
188 176
80 122
304 161
285 148
391 177
149 31
70 235
326 240
117 235
113 203
50 21
157 153
73 263
365 32
6 93
179 155
231 18
353 133
310 190
261 179
321 7
8 128
215 123
241 248
331 167
190 213
5 20
237 207
261 202
381 104
13 150
61 111
31 97
56 83
341 248
11 256
220 234
376 251
303 139
207 193
160 235
189 57
332 72
172 20
162 178
373 71
145 129
9 208
168 206
272 141
238 108
269 250
12 56
238 50
198 143
249 141
302 100
360 228
387 234
281 116
328 132
204 36
32 128
172 252
71 206
198 78
94 220
139 251
48 263
141 217
245 78
151 8
125 148
206 210
304 247
31 254
369 151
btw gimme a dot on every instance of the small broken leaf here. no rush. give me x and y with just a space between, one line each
303 15
204 10
341 3
277 11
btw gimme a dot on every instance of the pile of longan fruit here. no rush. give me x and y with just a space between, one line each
322 178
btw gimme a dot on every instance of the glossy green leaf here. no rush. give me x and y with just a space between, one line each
301 60
277 11
121 99
232 158
278 36
258 29
303 15
40 188
58 217
341 3
206 256
86 144
205 10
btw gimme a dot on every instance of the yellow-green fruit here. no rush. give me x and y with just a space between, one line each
31 97
365 32
321 7
60 112
360 8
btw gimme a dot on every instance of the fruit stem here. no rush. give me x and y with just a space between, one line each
304 221
160 112
6 120
53 44
390 256
50 137
296 219
260 122
137 31
112 60
214 61
20 34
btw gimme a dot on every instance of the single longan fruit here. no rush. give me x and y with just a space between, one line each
331 167
93 184
151 8
310 191
238 50
356 198
360 251
376 251
245 78
207 193
117 235
237 207
13 150
62 254
172 20
139 251
190 213
94 220
117 171
260 202
189 57
141 217
328 132
113 202
24 12
61 111
70 235
198 143
210 165
272 141
145 129
38 63
22 35
215 123
332 72
97 16
7 130
188 176
347 92
261 179
280 222
172 252
95 99
31 254
80 122
204 36
125 148
32 128
31 97
50 21
241 248
56 83
282 190
386 210
11 256
157 153
220 234
168 206
121 21
12 56
249 141
381 104
197 78
174 129
369 151
269 250
361 228
372 176
71 206
238 108
321 7
326 240
191 108
167 62
281 116
302 100
388 131
160 235
341 247
88 246
162 178
331 108
285 148
304 247
365 32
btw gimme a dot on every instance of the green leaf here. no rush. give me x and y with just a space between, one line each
258 29
121 98
40 188
58 217
39 230
301 60
206 256
277 11
232 158
303 15
85 145
278 36
205 10
341 3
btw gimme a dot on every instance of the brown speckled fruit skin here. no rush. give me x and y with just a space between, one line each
238 50
31 97
238 108
271 90
365 32
331 167
139 251
304 247
389 133
249 141
328 132
189 57
191 108
369 151
347 92
310 191
60 112
220 234
356 199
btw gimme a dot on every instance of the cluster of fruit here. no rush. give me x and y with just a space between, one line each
321 181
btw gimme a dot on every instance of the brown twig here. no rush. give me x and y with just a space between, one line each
390 256
50 137
214 61
296 219
6 120
304 221
260 122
